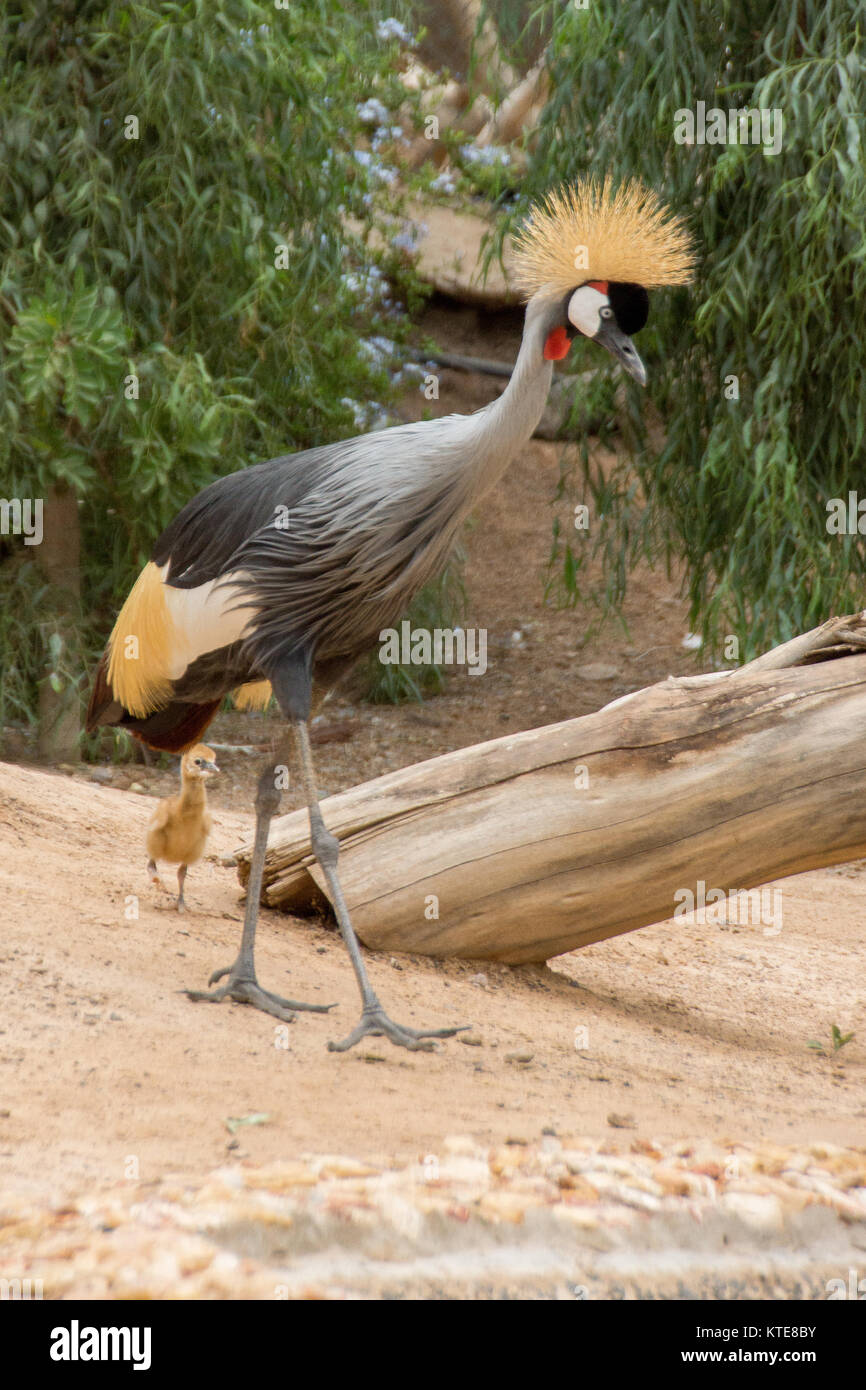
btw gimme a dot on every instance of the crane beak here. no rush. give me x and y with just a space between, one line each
620 345
212 767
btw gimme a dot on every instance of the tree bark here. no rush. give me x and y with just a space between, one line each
535 844
59 559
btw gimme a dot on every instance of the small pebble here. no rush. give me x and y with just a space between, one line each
597 671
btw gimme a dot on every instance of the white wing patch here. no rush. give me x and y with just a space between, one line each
204 619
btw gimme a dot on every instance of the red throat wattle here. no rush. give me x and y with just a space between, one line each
557 345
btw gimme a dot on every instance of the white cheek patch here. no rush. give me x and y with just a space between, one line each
584 310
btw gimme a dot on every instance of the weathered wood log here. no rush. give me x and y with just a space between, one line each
520 110
535 844
492 101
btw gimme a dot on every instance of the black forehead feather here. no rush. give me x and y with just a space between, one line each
630 304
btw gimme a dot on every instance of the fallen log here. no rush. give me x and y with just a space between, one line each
537 843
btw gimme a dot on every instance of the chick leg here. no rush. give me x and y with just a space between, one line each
242 985
181 879
153 875
374 1021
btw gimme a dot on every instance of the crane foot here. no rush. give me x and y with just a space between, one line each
245 989
375 1023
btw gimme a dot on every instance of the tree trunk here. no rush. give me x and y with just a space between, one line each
535 844
59 559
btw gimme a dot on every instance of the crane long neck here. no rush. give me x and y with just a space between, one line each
502 427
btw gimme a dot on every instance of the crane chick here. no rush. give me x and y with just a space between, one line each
180 825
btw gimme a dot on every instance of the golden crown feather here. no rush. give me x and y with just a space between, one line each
591 231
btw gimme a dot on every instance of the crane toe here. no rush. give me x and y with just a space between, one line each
244 990
374 1022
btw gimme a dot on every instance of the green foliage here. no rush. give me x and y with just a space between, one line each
63 351
838 1040
190 200
736 489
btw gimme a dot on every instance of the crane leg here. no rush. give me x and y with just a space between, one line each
242 985
374 1021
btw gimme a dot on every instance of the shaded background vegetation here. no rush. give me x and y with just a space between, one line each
735 489
154 259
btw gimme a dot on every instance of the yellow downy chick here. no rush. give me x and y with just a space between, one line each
180 825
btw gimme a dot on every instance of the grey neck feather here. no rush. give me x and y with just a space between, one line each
495 433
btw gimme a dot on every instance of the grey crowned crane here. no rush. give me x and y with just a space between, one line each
280 576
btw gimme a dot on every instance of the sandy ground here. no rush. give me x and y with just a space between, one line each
119 1095
690 1031
674 1034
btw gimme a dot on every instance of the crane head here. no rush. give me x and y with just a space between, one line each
198 763
608 312
623 240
